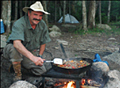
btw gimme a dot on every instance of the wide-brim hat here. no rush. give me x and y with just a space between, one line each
37 6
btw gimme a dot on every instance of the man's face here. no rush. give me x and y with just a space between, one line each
35 17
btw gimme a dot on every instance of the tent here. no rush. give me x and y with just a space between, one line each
69 19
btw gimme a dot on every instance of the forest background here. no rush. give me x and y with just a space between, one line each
88 13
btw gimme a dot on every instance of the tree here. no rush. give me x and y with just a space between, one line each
109 6
69 7
100 20
60 7
16 10
91 14
20 10
64 7
55 11
115 11
6 14
45 8
84 16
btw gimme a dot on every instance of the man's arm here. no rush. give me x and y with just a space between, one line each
42 48
21 49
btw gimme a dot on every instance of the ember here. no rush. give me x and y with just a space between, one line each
90 82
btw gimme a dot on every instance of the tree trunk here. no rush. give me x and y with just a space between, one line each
73 7
6 14
55 11
25 3
45 16
20 8
109 6
69 7
64 9
60 11
0 8
91 15
16 10
84 16
100 12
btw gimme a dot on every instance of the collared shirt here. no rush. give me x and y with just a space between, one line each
31 38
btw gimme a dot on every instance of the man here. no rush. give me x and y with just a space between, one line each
29 33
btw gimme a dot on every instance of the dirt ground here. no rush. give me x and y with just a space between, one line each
82 46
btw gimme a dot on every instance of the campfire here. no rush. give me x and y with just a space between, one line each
67 83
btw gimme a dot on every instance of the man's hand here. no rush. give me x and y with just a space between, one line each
38 60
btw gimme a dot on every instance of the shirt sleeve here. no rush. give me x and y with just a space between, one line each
17 32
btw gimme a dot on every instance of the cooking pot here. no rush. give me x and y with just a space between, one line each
72 71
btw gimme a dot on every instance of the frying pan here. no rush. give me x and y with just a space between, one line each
72 71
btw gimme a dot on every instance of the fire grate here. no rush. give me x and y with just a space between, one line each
77 78
54 74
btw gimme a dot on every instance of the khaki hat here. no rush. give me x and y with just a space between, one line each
37 6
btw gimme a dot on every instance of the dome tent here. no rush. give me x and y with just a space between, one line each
68 19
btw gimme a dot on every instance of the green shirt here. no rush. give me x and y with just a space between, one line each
31 38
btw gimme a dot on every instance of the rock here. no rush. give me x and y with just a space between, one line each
111 39
104 26
115 57
22 84
98 69
62 41
114 74
55 31
114 79
34 80
54 34
55 28
112 49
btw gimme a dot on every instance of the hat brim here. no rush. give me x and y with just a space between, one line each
25 9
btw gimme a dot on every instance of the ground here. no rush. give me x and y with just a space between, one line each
81 46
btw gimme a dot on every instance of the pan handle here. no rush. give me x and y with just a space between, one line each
63 50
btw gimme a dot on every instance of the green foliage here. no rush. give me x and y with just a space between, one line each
119 18
77 13
75 10
115 30
90 31
115 9
104 18
81 32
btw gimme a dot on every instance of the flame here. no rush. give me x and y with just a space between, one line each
89 80
83 81
70 84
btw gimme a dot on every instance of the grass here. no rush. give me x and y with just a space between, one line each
114 30
78 30
90 31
